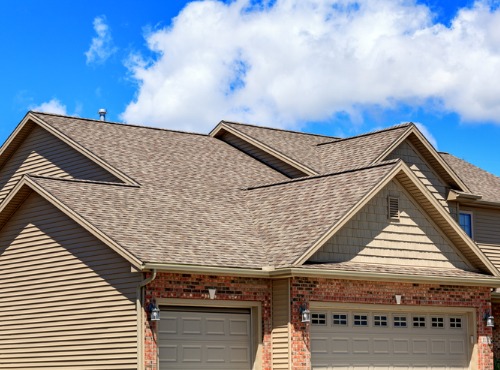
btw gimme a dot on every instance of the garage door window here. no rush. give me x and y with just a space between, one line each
340 319
318 318
360 320
419 321
379 320
455 322
437 322
400 322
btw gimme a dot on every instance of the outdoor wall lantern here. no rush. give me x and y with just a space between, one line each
490 320
305 314
154 311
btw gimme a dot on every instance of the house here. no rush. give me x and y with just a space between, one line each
391 248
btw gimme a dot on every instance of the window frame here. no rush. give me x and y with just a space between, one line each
471 215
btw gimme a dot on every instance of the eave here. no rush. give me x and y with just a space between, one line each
281 273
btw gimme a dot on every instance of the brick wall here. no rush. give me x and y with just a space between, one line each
496 330
362 292
188 286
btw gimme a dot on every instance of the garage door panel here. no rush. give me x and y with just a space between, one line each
403 341
204 340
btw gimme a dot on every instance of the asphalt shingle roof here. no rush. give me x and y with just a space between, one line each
479 181
200 201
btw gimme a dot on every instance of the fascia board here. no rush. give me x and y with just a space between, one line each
26 181
197 269
82 150
14 134
335 228
414 130
264 147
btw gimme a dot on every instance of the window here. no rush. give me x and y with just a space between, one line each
360 320
465 221
379 320
399 321
339 319
419 321
455 322
437 322
318 318
393 208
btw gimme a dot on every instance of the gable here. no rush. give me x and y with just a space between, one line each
422 169
42 153
58 273
371 237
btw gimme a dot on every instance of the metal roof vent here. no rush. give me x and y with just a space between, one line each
102 114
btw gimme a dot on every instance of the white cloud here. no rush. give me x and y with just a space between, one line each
425 131
52 106
101 47
304 60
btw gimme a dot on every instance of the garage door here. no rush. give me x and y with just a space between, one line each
190 338
388 340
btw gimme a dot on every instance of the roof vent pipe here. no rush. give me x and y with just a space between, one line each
102 114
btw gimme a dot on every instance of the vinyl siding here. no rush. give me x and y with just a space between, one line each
43 154
67 301
371 237
407 152
261 155
280 335
485 224
486 231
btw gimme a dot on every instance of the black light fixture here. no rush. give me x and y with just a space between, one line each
490 320
305 314
154 311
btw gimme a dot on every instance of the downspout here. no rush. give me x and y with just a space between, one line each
140 296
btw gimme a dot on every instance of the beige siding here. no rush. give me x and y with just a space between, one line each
485 223
281 332
370 237
261 155
43 154
67 301
407 152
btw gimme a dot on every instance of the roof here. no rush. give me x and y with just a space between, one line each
479 181
192 199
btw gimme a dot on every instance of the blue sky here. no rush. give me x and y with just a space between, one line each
336 67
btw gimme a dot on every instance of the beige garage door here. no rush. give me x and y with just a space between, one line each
193 339
388 340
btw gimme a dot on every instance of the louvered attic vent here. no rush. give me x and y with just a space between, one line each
393 208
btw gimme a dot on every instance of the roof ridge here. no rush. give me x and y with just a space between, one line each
278 129
395 127
300 179
120 123
44 177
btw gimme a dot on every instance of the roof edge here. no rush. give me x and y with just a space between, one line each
344 219
26 181
288 272
266 148
82 150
